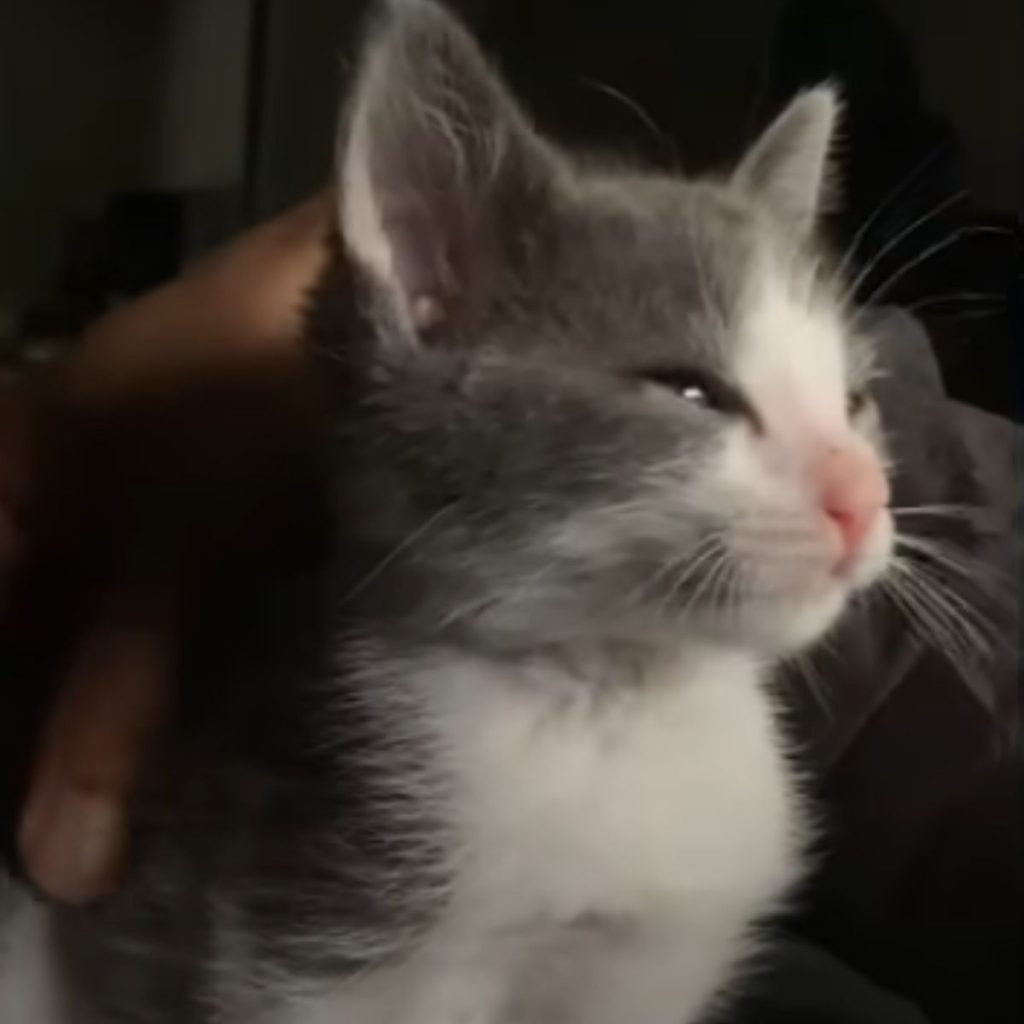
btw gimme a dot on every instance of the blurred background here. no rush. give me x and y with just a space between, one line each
133 137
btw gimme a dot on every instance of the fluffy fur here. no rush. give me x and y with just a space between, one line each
504 753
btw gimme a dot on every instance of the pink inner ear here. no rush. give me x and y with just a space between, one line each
853 491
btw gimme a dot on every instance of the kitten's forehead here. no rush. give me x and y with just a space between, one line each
654 271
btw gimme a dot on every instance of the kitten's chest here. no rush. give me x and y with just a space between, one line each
608 855
673 790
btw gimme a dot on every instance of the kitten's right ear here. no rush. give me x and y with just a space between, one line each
433 158
787 169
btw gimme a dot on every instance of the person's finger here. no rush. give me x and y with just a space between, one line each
74 825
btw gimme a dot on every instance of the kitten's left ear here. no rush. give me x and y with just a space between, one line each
439 171
787 169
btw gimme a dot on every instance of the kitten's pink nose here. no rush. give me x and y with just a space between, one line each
853 491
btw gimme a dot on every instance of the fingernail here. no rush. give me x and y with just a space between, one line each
71 847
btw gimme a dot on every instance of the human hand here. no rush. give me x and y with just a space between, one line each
230 310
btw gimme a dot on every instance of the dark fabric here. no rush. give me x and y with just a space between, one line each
918 753
803 984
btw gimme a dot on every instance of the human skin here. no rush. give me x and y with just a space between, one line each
231 310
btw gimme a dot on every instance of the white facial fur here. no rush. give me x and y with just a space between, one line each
794 364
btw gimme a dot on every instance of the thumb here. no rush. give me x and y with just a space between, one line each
74 827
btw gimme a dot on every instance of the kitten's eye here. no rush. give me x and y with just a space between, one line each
856 401
693 393
694 387
699 388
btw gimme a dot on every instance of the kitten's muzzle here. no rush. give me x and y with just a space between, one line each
854 493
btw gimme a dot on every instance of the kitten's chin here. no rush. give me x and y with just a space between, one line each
783 627
805 622
790 623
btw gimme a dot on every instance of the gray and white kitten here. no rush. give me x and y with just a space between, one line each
505 755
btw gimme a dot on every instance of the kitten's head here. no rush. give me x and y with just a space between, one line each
598 401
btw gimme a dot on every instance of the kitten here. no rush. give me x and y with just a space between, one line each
498 748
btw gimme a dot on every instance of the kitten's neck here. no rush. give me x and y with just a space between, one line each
598 667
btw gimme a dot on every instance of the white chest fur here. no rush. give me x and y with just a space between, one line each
671 788
612 852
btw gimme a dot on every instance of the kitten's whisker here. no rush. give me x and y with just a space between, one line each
638 111
931 631
899 577
709 577
905 182
932 250
734 592
945 511
945 620
690 569
813 682
947 601
718 597
694 599
973 297
506 596
965 566
899 238
401 548
718 575
943 594
687 563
